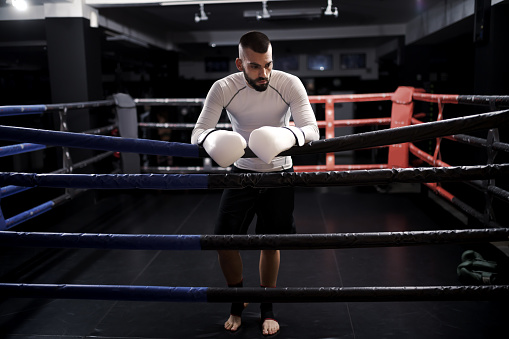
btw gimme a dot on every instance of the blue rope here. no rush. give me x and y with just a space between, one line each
106 241
20 148
29 214
22 110
106 292
10 190
108 181
98 142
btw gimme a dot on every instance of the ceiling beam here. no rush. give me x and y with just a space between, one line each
225 38
124 3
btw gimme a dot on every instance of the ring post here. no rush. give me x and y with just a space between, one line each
402 110
128 127
330 161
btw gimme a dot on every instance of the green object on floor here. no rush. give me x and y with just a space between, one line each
474 269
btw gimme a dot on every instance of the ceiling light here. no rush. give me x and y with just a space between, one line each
201 16
197 2
94 19
285 14
20 4
331 10
265 12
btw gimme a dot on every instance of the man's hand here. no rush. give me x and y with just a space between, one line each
224 147
267 142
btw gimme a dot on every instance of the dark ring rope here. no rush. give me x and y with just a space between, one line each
250 294
250 242
259 180
484 100
424 131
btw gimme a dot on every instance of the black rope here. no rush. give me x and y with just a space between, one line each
351 240
358 294
252 294
357 177
485 100
259 180
398 135
250 242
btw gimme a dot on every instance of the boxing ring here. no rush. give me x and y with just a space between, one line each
406 130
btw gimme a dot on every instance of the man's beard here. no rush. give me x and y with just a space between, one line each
252 83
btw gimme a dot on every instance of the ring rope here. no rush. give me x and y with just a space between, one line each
6 191
402 134
350 142
98 142
6 224
22 110
484 100
38 109
11 190
250 241
19 148
258 180
169 102
250 294
26 215
471 140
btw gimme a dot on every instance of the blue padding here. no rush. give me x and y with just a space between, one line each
20 148
107 181
98 142
10 190
104 241
21 110
24 216
105 292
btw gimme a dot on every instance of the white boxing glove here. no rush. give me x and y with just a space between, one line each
224 147
267 142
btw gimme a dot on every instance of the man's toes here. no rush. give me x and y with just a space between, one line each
270 327
232 324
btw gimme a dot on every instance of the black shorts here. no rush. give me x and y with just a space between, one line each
273 208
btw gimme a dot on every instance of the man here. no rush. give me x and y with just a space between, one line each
259 102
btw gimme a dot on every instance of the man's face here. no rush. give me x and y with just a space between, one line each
257 68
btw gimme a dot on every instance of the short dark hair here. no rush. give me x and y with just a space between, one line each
256 41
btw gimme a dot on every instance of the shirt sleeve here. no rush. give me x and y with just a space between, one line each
301 110
211 112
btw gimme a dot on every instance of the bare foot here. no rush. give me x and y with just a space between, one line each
234 321
269 327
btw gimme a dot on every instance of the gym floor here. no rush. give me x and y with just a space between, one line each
318 210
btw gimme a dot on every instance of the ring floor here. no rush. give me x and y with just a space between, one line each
318 210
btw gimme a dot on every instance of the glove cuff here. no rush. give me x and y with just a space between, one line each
204 135
300 138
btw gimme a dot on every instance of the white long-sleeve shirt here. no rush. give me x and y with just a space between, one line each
249 109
